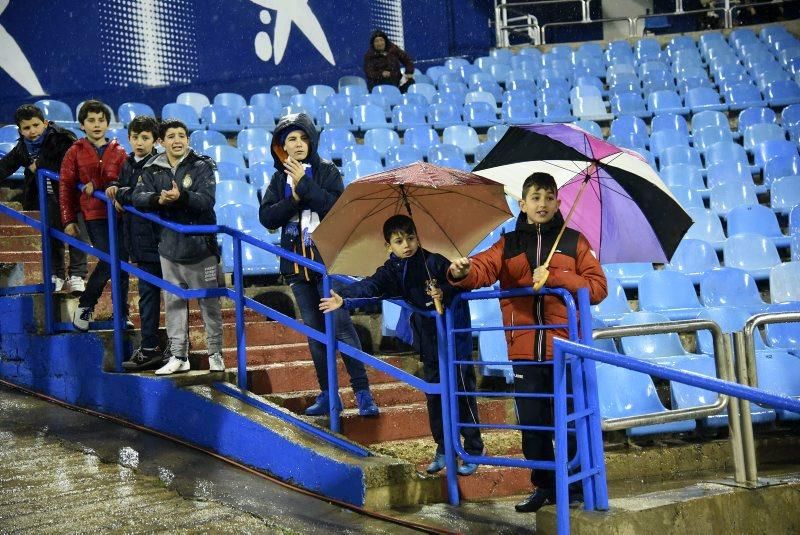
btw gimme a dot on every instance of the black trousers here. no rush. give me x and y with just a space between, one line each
538 445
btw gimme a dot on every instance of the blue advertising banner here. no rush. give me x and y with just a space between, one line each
151 50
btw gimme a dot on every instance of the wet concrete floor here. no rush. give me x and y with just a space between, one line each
66 471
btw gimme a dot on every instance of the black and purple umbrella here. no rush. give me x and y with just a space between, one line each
626 212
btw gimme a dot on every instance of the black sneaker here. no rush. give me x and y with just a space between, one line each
144 359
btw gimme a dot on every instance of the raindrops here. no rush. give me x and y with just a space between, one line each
165 475
129 457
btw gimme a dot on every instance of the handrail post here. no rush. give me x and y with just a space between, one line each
47 270
445 342
561 473
238 286
330 356
117 305
743 348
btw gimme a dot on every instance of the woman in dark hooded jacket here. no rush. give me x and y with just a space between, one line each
383 60
301 192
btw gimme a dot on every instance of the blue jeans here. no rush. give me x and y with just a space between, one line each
150 305
307 294
101 274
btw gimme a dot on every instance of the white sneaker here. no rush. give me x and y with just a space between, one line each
81 318
76 285
58 283
215 363
173 365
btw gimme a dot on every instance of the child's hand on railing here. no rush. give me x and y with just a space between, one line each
329 304
435 292
460 268
88 189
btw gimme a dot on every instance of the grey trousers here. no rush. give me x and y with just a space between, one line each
204 274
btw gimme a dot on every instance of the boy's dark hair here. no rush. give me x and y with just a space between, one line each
26 112
172 123
93 106
398 223
539 180
144 123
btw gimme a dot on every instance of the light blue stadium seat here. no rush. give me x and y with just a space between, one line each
260 174
351 80
368 116
458 89
680 155
790 114
782 93
225 153
587 103
485 313
480 114
200 140
406 116
693 258
590 126
230 171
128 110
727 155
360 152
269 101
628 273
234 101
332 142
629 125
307 102
492 347
421 138
663 139
729 171
759 133
252 138
482 96
731 287
234 191
785 194
448 156
670 122
687 197
390 313
709 118
355 169
725 197
259 154
9 134
402 155
704 98
482 150
256 117
182 112
753 253
377 100
483 87
784 283
775 148
709 136
320 92
390 93
237 216
452 99
686 176
221 118
755 115
523 112
198 101
663 348
707 227
756 219
444 114
670 293
462 136
335 117
381 139
611 309
557 111
777 373
783 336
257 261
743 95
284 92
426 90
666 101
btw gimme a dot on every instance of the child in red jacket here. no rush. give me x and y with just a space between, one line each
516 261
94 162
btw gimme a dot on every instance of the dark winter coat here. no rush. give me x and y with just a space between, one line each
390 59
318 193
406 278
55 145
82 165
573 266
195 206
140 235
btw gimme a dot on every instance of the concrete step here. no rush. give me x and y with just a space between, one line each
21 256
18 229
7 220
385 395
29 242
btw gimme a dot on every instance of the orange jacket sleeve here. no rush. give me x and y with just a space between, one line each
588 274
484 268
68 194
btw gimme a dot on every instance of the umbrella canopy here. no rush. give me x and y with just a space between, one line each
627 213
453 211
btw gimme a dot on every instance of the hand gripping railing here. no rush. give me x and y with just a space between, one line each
564 349
589 464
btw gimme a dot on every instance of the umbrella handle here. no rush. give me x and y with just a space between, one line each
439 306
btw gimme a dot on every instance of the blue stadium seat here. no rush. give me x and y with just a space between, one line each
774 148
670 293
9 134
234 101
321 92
292 109
198 101
687 197
459 90
755 115
234 191
464 137
426 90
666 101
355 169
710 135
704 98
784 283
728 153
628 273
761 132
230 171
777 373
782 93
256 117
753 253
182 112
706 227
669 122
729 171
743 95
483 87
57 111
406 116
495 133
663 139
587 103
611 309
128 110
225 153
221 118
680 155
379 101
332 142
492 347
663 348
756 219
306 102
480 114
557 111
390 313
725 197
421 138
381 139
360 152
200 140
260 174
443 115
790 114
731 287
284 92
709 118
686 176
368 116
448 156
481 96
259 154
693 258
257 261
402 155
482 150
269 101
590 127
785 194
335 117
345 81
523 112
784 336
451 99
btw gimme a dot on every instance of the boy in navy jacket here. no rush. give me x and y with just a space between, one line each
405 274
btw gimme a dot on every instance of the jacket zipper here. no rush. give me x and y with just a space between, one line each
540 334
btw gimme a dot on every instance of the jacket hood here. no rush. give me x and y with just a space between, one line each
523 225
294 120
379 33
161 159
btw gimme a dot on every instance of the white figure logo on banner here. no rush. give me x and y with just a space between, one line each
288 12
14 62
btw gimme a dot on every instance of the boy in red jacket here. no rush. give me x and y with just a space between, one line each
516 261
94 162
